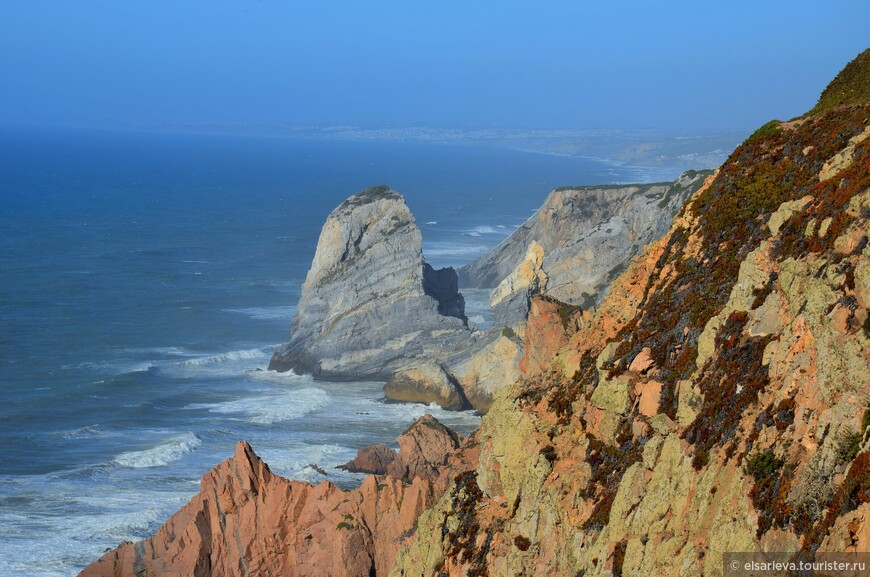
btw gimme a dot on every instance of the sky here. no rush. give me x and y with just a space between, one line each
545 64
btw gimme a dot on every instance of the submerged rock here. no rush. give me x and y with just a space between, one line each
370 303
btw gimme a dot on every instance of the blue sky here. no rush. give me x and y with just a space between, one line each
507 64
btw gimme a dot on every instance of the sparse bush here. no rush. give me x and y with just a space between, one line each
848 445
522 543
769 129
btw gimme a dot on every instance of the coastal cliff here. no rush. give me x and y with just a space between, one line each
370 302
371 307
717 400
587 235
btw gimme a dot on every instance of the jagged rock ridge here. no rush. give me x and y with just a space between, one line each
247 521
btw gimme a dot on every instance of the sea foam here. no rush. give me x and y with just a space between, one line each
282 313
232 356
484 229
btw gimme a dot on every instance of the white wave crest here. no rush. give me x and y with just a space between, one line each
272 408
112 367
163 454
483 229
88 432
159 351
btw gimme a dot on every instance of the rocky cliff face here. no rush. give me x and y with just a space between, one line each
370 303
587 236
718 400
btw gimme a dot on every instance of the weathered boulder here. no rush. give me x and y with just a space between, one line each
370 304
492 366
426 382
423 450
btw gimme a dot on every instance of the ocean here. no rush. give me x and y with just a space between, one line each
146 278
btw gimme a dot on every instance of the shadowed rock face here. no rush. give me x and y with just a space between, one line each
373 459
369 302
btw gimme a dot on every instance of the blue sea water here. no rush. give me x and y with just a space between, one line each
146 279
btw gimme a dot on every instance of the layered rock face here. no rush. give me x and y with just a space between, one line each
247 521
587 236
370 303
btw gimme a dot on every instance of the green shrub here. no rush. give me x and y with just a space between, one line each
763 466
848 445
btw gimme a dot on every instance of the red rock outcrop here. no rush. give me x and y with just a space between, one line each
549 326
424 450
247 521
373 459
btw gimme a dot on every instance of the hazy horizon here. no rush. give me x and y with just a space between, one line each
563 65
